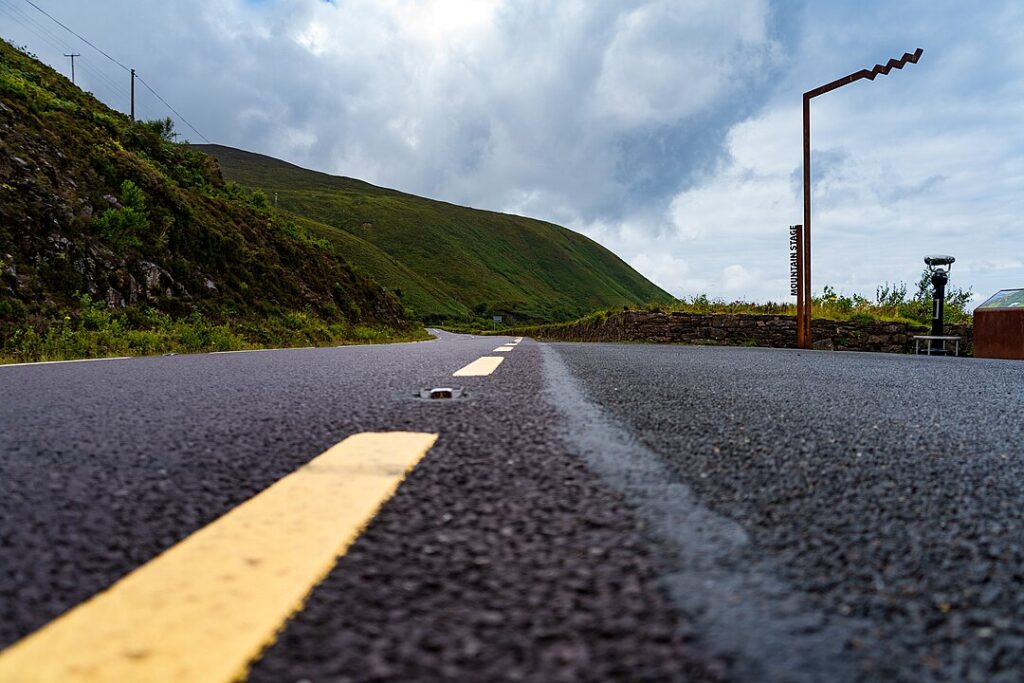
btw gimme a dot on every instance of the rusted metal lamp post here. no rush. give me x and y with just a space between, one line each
803 322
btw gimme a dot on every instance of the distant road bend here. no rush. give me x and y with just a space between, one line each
577 513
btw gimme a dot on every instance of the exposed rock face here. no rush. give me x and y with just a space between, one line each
747 330
114 298
158 282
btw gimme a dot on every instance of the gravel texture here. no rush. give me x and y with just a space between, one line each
883 493
765 629
502 557
589 513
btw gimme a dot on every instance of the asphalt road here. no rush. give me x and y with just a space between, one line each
588 513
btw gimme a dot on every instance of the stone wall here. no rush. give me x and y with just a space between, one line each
743 330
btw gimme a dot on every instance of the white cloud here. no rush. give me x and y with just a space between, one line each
484 102
903 166
749 194
738 279
878 208
669 60
667 271
669 131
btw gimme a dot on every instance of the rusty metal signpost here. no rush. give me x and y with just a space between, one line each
796 277
803 260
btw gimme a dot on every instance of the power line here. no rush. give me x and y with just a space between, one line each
183 119
18 13
34 26
114 91
46 36
102 79
128 69
56 21
118 91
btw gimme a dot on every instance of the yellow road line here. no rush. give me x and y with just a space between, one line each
503 348
205 608
484 365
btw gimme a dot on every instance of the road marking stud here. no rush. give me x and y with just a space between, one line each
205 608
482 366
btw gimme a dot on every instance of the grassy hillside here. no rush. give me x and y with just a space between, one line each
113 239
447 261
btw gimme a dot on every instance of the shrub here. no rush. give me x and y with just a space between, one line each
162 128
125 227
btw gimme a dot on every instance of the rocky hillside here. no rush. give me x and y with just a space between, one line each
96 210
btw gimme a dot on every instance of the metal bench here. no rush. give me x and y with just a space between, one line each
929 338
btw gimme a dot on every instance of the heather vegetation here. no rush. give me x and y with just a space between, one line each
115 239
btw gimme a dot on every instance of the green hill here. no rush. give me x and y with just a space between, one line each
114 239
447 261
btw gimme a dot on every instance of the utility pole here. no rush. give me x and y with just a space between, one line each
133 94
806 340
73 55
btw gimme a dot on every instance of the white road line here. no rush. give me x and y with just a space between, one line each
57 363
503 348
288 348
224 353
482 366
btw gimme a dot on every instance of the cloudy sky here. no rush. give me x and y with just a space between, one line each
667 130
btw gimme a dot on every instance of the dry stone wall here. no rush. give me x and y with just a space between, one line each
744 330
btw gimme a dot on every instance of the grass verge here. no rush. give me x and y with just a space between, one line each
94 331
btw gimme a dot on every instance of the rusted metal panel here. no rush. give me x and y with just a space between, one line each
999 326
999 334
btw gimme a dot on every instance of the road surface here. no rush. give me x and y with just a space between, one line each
586 513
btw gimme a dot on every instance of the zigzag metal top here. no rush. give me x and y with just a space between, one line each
869 74
892 64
